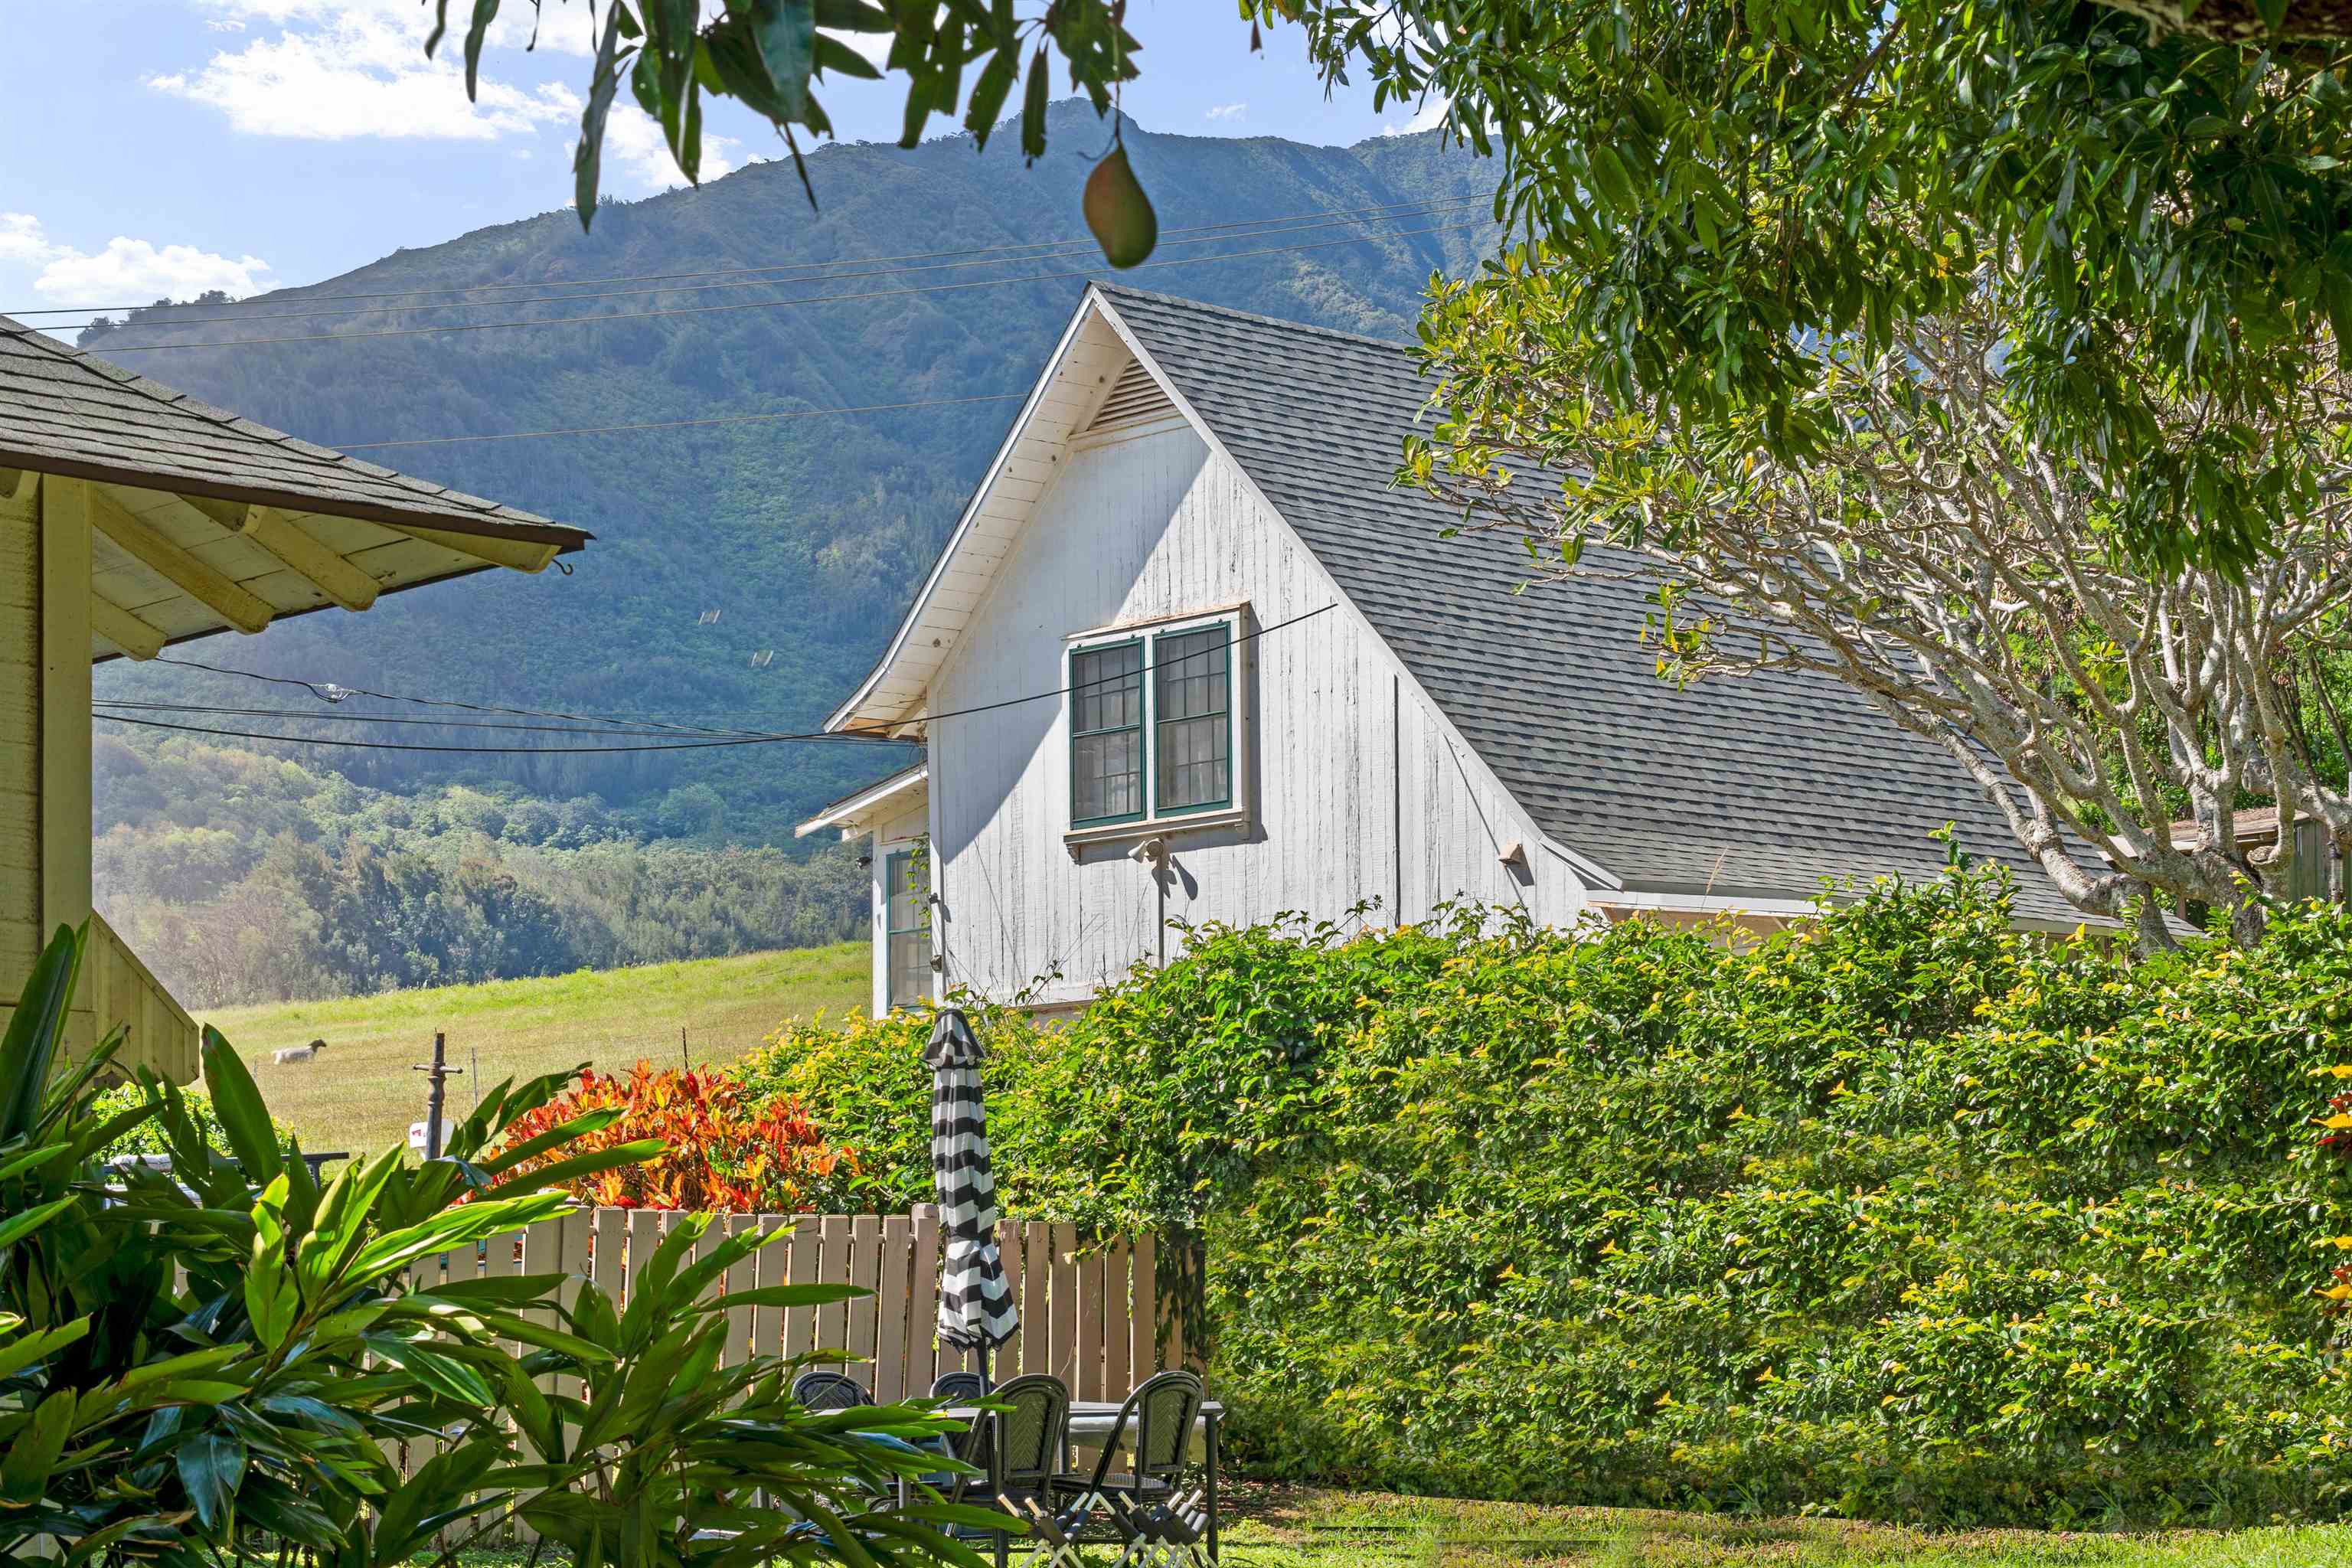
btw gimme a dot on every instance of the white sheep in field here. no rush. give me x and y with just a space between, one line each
299 1053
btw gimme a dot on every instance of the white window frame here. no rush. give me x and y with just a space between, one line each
1241 670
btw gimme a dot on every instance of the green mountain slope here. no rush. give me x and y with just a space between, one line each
805 535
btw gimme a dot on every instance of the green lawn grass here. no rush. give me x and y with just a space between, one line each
360 1095
1296 1528
1301 1527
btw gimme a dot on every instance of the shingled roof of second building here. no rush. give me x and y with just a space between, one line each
1759 787
66 412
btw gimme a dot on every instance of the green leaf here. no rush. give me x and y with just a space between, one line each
1032 110
36 1030
17 1226
34 1451
18 1355
243 1117
988 95
580 1126
586 1164
784 33
789 1296
211 1465
271 1300
587 158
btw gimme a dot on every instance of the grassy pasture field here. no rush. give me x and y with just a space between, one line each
360 1094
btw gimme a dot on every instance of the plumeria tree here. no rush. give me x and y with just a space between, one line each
1941 552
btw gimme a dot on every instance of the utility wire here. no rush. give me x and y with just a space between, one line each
1434 209
113 353
617 727
737 272
334 691
744 739
678 423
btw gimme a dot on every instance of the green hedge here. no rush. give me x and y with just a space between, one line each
1901 1214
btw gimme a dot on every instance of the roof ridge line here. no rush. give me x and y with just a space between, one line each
1392 344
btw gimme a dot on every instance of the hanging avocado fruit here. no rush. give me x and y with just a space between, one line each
1119 213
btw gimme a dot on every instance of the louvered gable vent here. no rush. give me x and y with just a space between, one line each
1135 399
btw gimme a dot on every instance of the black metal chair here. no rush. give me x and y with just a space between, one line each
959 1385
829 1391
1142 1506
1017 1450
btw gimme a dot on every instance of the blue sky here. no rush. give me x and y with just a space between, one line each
246 144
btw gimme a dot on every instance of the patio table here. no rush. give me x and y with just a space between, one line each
1092 1422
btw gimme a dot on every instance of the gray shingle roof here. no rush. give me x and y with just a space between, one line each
65 412
1760 787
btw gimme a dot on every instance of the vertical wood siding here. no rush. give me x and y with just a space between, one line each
1347 809
20 730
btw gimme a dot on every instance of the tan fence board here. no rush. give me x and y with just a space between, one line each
890 1314
923 1303
1036 1258
865 1272
1064 1333
1119 1317
800 1325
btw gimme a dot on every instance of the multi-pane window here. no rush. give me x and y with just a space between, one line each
1152 725
1106 733
907 928
1192 735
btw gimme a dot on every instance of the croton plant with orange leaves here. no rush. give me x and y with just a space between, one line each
728 1153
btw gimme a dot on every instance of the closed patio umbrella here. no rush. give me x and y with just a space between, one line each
976 1310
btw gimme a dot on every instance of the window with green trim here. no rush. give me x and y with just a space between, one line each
1106 733
1192 718
907 929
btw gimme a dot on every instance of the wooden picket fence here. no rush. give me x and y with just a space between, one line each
1093 1312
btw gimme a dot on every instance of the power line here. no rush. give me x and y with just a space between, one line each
112 352
737 272
735 739
334 692
1272 226
678 423
615 727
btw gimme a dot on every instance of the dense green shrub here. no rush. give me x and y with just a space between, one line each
1900 1213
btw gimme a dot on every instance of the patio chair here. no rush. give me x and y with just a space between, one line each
1022 1449
829 1391
962 1388
1156 1524
959 1385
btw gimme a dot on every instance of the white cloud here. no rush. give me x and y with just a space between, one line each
343 69
127 270
1227 111
1428 117
563 25
22 241
637 156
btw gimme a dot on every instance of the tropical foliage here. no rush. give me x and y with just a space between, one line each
722 1151
217 1363
1900 1213
1727 184
1937 553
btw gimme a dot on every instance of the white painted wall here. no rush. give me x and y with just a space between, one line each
1351 805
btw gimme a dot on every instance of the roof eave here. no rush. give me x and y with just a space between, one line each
855 812
852 717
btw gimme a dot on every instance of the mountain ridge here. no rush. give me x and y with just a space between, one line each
804 535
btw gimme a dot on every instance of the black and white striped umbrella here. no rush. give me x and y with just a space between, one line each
976 1309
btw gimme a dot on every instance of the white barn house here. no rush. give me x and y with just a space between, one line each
1188 656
